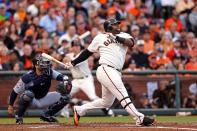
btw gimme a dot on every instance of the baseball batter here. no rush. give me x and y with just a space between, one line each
112 47
82 77
33 88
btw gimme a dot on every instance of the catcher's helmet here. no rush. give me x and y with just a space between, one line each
43 63
108 24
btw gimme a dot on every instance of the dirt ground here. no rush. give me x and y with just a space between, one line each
99 127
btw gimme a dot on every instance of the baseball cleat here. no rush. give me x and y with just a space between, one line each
108 112
147 121
49 119
19 120
76 117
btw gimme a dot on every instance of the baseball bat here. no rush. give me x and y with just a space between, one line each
53 59
84 35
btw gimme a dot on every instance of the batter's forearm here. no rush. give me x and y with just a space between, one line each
13 97
82 57
128 42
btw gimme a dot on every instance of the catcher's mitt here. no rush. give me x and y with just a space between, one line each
64 87
10 110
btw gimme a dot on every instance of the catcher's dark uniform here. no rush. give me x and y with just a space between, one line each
34 92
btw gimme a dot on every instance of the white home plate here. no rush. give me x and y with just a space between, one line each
43 126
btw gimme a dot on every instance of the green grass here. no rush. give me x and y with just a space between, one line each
124 119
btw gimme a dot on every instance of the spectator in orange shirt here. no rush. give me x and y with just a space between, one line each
136 11
192 64
162 59
175 51
148 43
21 12
111 12
174 19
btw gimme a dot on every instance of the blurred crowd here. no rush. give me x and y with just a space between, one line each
165 31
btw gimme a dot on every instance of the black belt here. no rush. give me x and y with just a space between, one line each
111 67
81 77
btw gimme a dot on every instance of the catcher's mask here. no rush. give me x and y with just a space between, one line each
43 63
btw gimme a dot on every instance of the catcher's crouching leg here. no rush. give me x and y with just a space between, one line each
64 89
24 101
56 107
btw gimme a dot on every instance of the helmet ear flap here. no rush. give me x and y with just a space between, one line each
109 27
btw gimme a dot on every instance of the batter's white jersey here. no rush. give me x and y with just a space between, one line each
112 55
111 52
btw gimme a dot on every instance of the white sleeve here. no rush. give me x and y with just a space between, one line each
93 47
125 35
19 87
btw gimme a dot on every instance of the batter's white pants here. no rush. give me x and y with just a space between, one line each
112 87
86 85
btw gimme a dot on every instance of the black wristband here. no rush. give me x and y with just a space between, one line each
120 39
83 56
72 62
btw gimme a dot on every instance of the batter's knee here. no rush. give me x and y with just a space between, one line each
26 97
107 104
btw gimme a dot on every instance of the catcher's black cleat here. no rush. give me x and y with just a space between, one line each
19 120
49 119
147 121
76 117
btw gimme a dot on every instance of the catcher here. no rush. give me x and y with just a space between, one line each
33 88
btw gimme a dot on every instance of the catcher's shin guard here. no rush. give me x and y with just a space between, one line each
19 120
24 101
56 107
48 119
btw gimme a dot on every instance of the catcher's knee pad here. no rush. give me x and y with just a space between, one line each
126 101
26 97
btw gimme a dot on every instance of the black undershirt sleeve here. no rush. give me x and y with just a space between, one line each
83 56
12 98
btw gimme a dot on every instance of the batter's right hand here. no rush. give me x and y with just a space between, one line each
10 110
68 65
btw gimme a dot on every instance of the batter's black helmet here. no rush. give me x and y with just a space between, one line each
108 24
